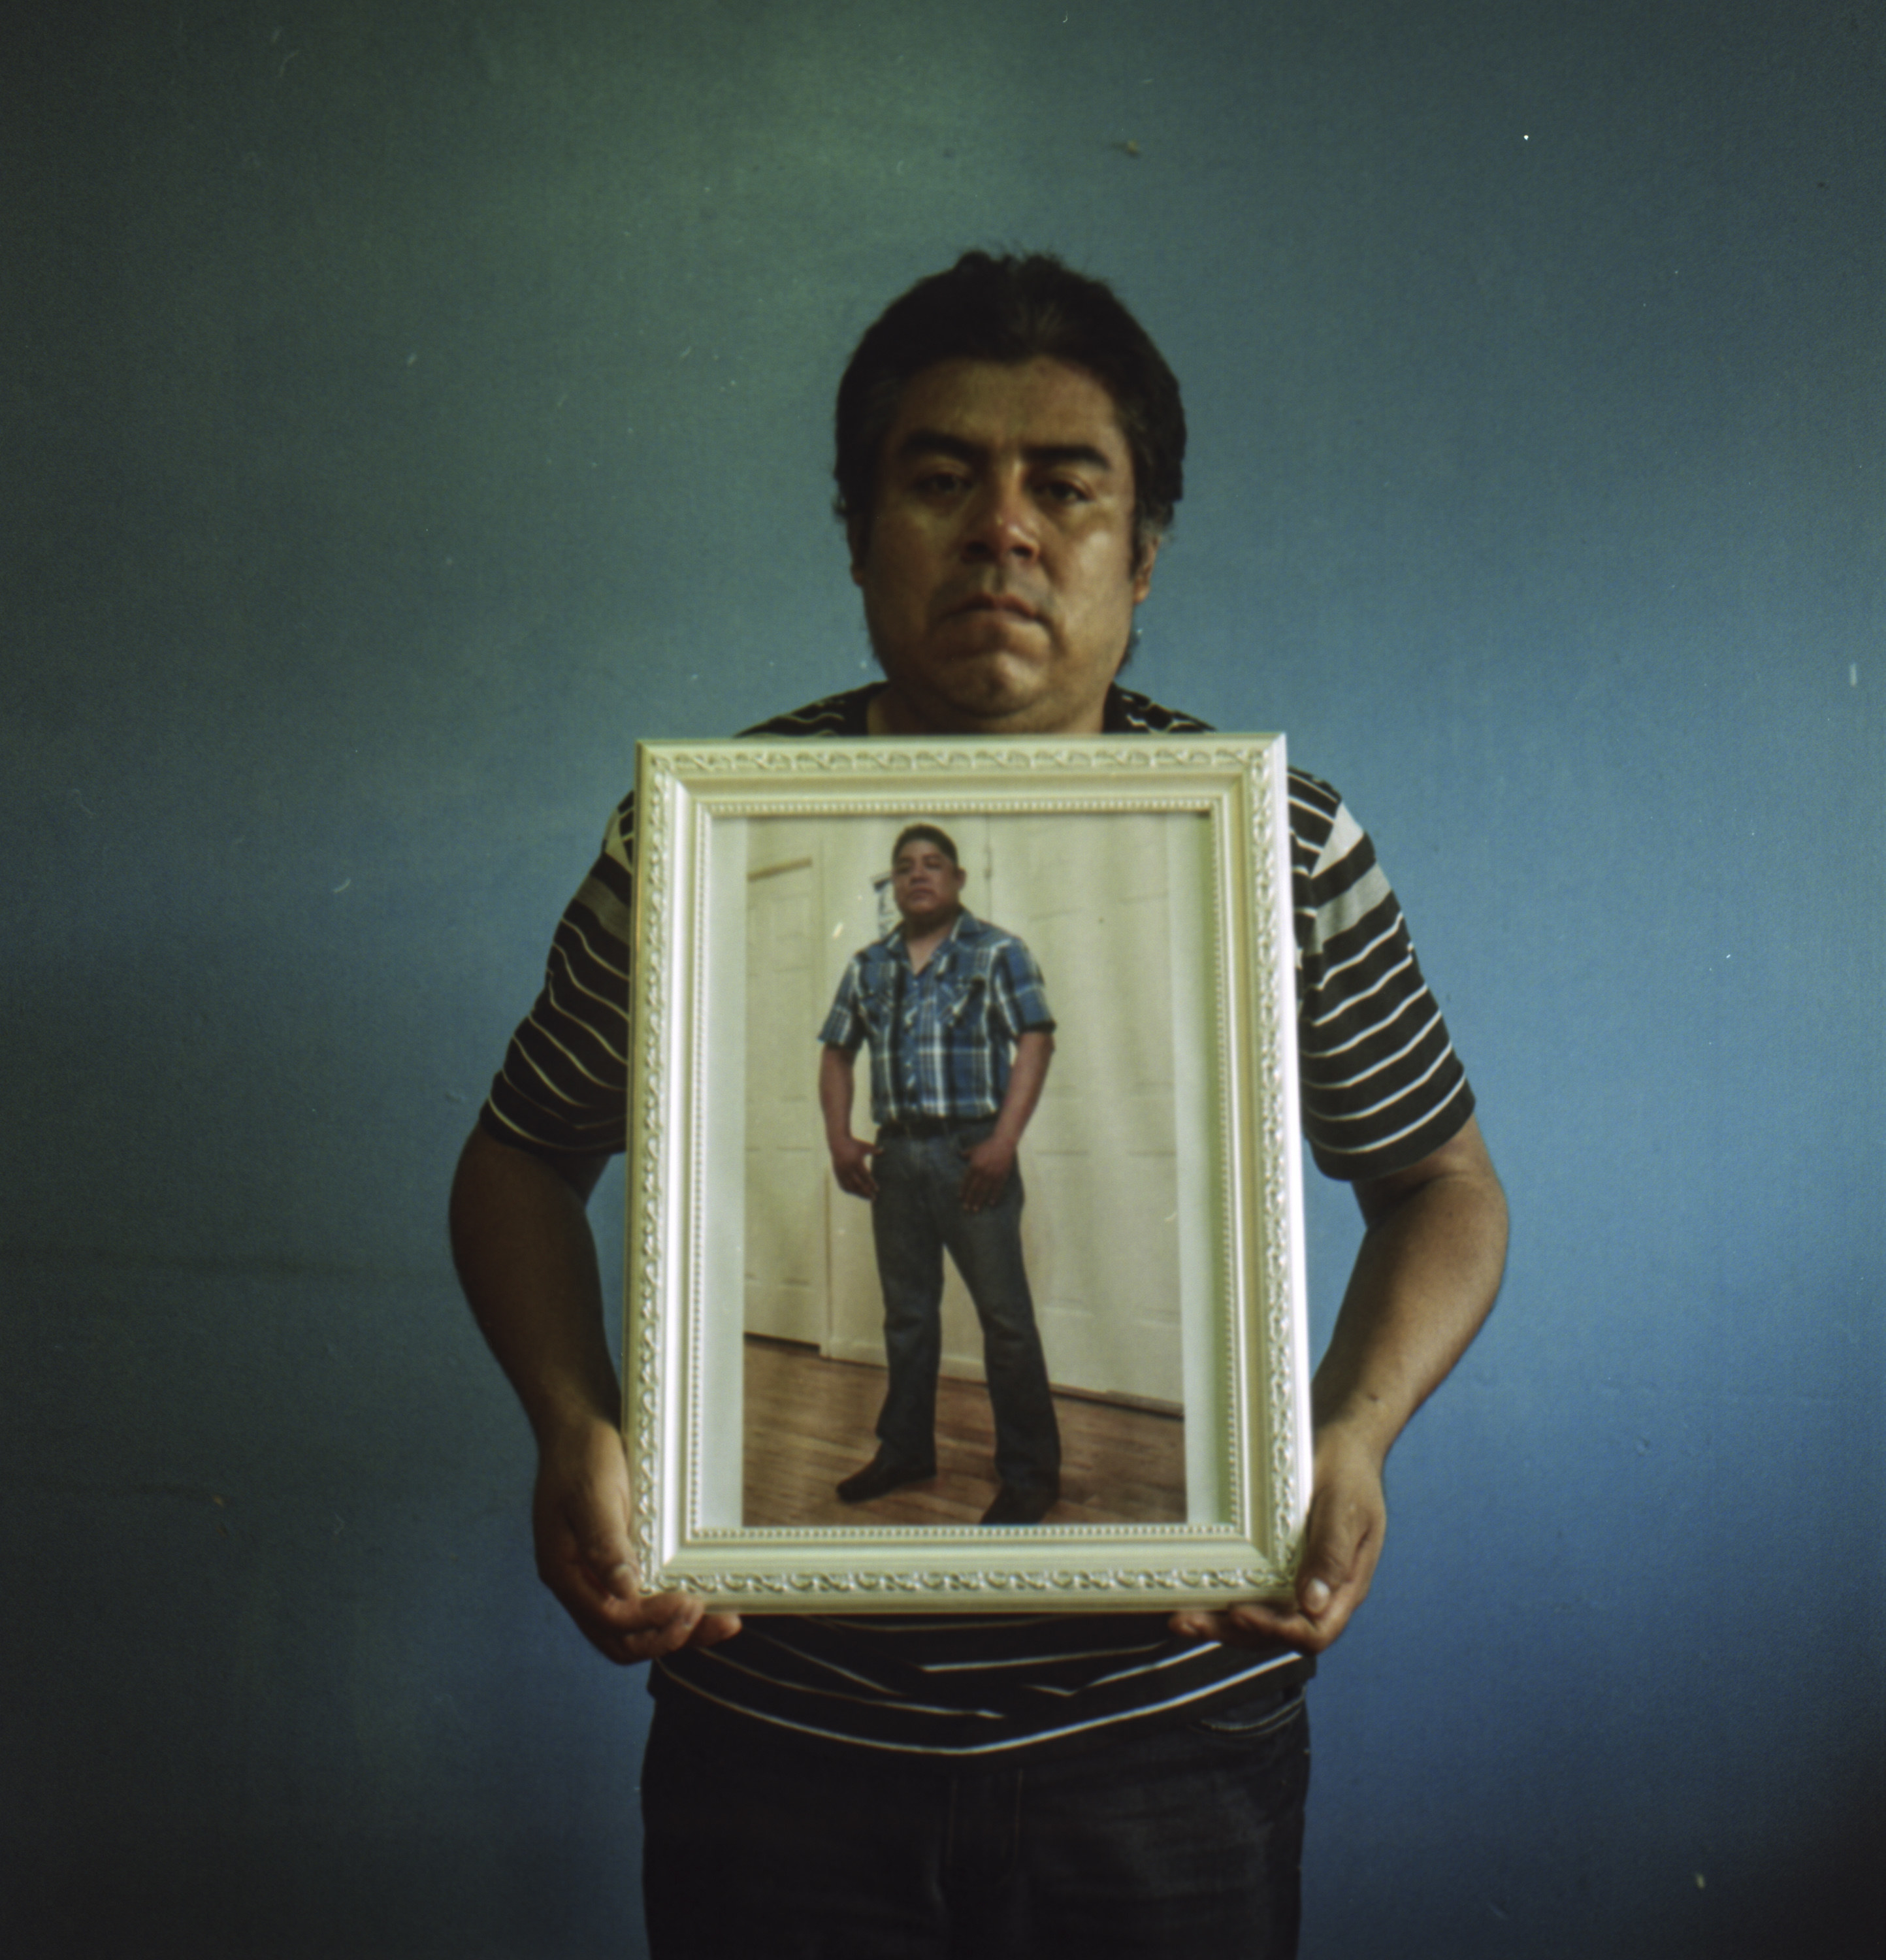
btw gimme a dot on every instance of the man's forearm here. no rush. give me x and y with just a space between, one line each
1424 1280
1027 1075
527 1259
836 1088
521 1240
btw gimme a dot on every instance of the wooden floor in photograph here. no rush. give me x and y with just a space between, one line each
809 1423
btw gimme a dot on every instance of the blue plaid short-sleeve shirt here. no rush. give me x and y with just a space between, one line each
941 1039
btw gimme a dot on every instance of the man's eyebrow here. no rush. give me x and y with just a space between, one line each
937 442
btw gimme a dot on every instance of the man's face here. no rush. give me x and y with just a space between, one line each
998 569
926 887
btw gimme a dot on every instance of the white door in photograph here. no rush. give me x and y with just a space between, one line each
1092 897
787 1283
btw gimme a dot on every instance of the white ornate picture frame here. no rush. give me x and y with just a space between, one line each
1214 809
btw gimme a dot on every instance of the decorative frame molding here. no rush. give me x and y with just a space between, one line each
676 1425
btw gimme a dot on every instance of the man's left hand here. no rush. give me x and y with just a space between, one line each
989 1164
1342 1541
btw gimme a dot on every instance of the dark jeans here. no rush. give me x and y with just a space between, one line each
916 1216
1184 1841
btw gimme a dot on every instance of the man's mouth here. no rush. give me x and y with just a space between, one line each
998 602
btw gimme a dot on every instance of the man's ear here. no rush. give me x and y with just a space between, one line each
857 538
1143 571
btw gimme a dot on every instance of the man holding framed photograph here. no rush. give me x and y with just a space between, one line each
1010 447
941 1000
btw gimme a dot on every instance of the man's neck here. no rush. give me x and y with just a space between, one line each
889 713
920 945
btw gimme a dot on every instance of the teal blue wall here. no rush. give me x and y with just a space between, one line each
403 408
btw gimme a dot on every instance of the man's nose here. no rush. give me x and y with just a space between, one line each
1001 527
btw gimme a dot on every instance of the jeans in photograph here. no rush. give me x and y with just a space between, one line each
916 1216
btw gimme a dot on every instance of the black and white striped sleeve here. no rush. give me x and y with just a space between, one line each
563 1087
564 1084
1381 1085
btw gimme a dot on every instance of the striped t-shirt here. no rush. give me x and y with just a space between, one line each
1381 1088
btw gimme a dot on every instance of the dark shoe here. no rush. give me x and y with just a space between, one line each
1015 1505
878 1476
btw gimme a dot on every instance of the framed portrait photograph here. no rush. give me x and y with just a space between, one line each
1032 1333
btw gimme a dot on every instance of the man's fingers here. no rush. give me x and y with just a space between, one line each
616 1580
979 1190
853 1171
600 1550
1341 1545
1255 1625
677 1621
1329 1559
631 1629
585 1556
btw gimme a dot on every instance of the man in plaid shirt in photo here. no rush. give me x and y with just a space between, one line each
941 1000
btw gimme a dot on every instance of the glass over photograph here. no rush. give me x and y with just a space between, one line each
965 1257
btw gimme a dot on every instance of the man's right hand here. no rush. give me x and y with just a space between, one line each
580 1515
851 1166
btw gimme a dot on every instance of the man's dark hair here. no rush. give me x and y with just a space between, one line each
1012 309
926 833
